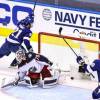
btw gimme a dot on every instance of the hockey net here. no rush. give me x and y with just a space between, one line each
54 47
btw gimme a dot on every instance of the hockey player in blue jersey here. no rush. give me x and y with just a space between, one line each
95 66
22 25
14 41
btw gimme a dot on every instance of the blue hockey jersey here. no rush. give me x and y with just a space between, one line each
95 66
20 36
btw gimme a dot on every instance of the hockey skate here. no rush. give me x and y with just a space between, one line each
14 64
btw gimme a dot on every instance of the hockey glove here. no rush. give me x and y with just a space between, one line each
80 60
30 49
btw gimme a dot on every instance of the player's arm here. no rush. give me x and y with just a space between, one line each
27 42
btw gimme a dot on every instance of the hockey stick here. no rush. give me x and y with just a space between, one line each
60 30
8 84
34 5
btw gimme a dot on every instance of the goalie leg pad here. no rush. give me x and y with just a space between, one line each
31 82
49 82
45 72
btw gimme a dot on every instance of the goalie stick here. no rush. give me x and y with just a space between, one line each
45 84
8 84
25 83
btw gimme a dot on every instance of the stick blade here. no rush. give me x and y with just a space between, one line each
60 30
8 84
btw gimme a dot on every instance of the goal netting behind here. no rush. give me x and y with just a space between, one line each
54 47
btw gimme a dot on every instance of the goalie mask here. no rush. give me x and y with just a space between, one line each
20 55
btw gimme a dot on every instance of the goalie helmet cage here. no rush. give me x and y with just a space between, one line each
53 46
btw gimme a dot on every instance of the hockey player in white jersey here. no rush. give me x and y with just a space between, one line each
29 65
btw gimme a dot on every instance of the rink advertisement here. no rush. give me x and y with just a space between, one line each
49 19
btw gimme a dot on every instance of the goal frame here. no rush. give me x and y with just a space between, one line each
67 37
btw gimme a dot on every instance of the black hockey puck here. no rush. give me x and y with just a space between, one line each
72 78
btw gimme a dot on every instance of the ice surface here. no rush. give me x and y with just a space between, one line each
60 92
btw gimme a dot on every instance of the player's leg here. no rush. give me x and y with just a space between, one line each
48 80
45 72
13 63
20 77
4 50
34 78
98 73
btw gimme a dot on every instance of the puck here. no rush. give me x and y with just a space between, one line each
72 78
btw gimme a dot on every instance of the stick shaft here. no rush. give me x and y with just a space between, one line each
34 5
60 30
70 47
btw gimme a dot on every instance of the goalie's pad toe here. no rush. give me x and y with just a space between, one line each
49 82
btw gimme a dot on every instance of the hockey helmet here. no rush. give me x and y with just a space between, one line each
20 55
25 22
